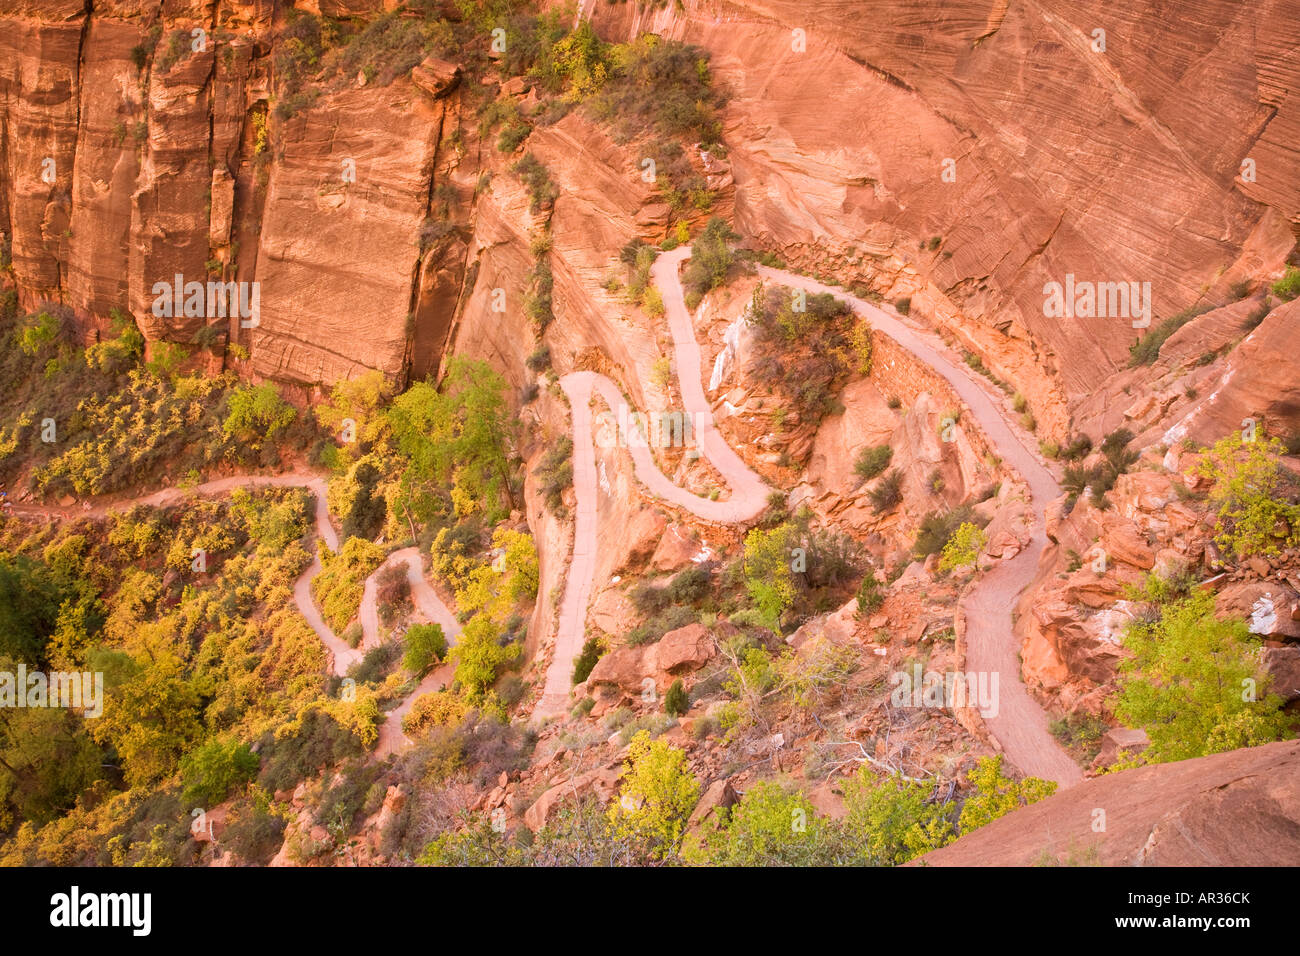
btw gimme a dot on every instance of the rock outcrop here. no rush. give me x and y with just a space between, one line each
1240 808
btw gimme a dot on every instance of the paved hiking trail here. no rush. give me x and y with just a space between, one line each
748 493
1020 726
391 738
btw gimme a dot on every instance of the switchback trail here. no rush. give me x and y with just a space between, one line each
391 738
748 493
1020 726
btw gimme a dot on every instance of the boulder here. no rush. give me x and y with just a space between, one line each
1266 605
623 668
599 782
436 77
681 651
1122 542
717 795
1120 741
676 548
1283 665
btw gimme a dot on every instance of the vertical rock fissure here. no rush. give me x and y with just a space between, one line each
423 257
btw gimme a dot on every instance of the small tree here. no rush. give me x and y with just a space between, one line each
1250 493
768 577
711 258
479 658
963 547
892 819
658 793
256 412
591 651
426 645
1193 683
768 827
211 771
870 597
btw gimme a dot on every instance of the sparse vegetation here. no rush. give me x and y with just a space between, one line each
802 355
888 492
1287 287
1146 349
871 461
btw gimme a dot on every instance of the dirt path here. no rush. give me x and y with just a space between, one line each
427 602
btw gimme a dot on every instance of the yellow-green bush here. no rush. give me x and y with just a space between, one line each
339 585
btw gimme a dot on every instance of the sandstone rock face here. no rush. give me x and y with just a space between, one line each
1257 381
116 177
1283 666
362 233
1265 605
1043 133
1124 142
1240 808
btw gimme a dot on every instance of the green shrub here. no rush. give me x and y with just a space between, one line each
211 771
1288 287
1252 495
676 702
993 794
803 356
1147 349
938 527
963 547
888 492
669 619
480 657
1080 730
711 259
870 595
660 86
872 461
768 577
555 472
540 358
254 833
591 652
376 663
341 581
542 192
256 412
1078 448
1191 683
539 303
